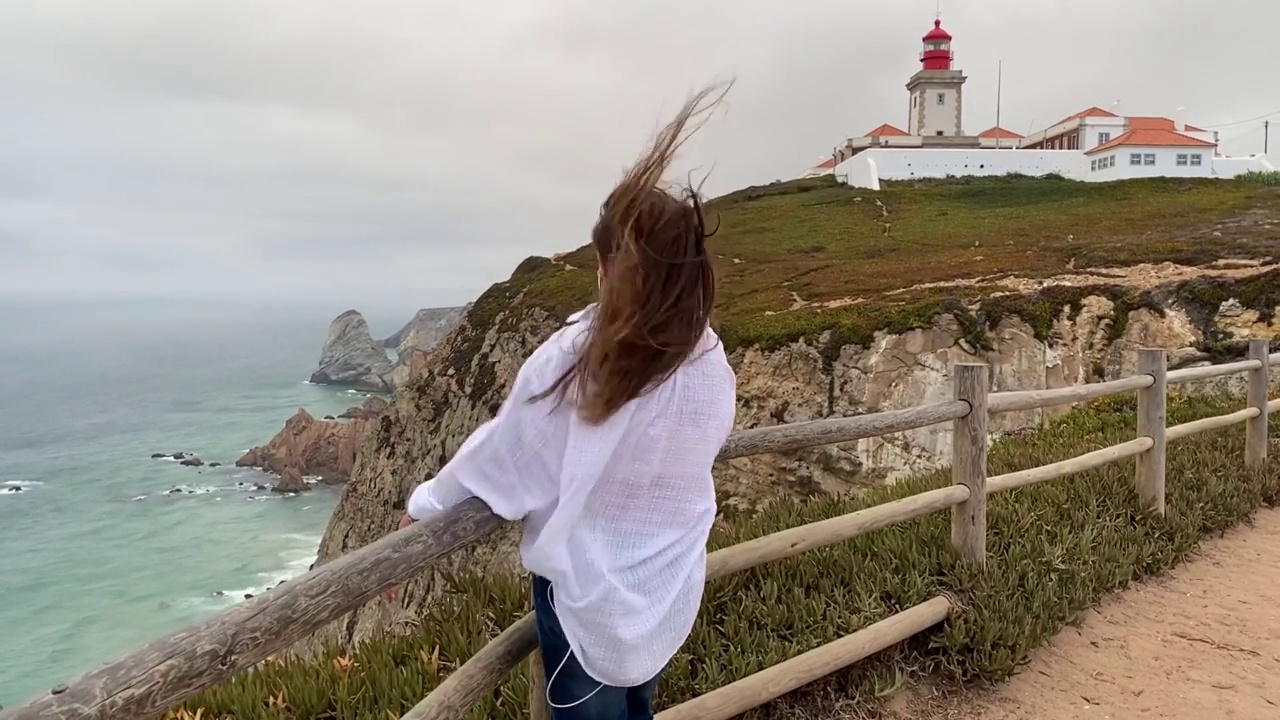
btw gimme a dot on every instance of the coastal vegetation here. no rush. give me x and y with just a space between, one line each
818 261
796 259
1270 177
1054 550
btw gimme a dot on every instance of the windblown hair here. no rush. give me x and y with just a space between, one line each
659 286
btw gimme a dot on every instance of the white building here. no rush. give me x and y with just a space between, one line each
1092 145
1094 126
1151 153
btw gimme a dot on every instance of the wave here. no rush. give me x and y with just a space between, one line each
296 563
295 560
186 490
17 487
261 489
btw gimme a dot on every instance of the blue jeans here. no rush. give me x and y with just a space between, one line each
573 693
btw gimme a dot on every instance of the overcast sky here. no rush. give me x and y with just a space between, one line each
411 152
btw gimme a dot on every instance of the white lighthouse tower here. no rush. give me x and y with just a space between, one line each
936 90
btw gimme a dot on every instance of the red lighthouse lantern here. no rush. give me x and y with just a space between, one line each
937 48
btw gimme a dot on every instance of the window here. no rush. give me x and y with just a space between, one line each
939 133
1195 159
942 98
1104 138
1182 159
1149 159
1093 165
1111 161
1135 158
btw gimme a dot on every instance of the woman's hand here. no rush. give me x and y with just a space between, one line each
390 593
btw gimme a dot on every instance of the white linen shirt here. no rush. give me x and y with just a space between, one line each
616 515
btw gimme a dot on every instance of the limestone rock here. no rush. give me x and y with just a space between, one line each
415 340
371 407
427 328
324 448
351 357
290 481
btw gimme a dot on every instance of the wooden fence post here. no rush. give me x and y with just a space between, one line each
1149 477
969 463
538 708
1255 429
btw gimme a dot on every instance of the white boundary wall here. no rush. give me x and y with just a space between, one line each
869 167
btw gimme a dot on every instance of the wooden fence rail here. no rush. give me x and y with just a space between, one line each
166 672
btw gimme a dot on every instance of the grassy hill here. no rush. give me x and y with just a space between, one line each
797 258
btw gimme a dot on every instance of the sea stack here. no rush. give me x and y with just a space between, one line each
351 357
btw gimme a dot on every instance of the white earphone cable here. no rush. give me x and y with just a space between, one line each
552 680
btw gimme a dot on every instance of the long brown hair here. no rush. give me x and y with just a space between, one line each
659 286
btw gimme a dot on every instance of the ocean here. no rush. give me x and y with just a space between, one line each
103 548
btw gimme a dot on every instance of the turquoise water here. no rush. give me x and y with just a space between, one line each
95 557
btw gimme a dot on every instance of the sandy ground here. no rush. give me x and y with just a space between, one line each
1202 643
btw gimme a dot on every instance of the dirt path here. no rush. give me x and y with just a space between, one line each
1201 643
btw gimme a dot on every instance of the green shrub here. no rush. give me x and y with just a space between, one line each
1270 178
1054 549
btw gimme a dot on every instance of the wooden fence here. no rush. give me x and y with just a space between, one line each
166 672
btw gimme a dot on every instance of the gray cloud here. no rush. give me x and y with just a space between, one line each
412 152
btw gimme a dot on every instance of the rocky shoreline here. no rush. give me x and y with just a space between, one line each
325 448
306 450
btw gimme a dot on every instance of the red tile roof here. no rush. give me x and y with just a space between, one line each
1088 112
1155 123
887 130
826 164
999 132
1151 138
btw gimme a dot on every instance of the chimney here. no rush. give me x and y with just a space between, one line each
1178 124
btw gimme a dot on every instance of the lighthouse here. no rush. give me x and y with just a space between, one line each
937 89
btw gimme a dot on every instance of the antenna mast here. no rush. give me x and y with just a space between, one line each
999 83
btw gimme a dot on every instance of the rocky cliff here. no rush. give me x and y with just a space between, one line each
804 348
426 329
351 357
422 333
317 448
1090 336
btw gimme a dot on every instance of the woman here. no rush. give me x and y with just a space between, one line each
604 449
